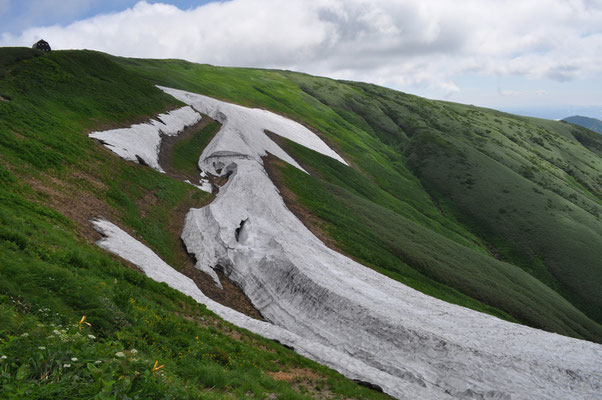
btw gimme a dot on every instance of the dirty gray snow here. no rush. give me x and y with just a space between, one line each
341 313
121 243
141 142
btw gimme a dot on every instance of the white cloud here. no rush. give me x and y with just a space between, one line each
399 43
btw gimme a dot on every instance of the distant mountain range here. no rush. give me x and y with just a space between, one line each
557 112
586 122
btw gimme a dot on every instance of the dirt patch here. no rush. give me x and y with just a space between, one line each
305 381
18 136
316 225
76 204
231 296
294 375
146 202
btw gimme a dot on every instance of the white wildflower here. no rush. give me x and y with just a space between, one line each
134 351
56 332
98 362
25 334
120 354
3 358
66 365
91 337
42 348
74 359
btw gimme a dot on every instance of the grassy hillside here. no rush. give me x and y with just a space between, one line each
495 212
513 202
53 179
592 124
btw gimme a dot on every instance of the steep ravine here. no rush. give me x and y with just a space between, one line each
348 316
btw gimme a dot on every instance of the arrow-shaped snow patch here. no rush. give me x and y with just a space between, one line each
141 142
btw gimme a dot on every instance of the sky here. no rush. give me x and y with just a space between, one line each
533 57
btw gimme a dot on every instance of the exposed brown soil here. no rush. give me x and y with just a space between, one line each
293 375
76 204
316 225
231 296
305 381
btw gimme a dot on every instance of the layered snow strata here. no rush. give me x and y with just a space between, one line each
423 345
122 244
141 142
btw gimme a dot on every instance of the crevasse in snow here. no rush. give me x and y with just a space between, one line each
421 346
141 142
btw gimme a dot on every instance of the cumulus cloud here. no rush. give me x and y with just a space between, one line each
398 43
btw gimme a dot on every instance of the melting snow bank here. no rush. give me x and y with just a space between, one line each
410 344
121 243
141 142
241 134
204 185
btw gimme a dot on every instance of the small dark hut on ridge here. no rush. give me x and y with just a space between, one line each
41 45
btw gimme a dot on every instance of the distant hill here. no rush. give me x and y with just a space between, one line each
586 122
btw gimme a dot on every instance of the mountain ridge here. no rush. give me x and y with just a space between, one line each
396 143
592 124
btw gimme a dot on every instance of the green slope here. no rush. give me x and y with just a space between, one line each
592 124
524 190
53 178
436 192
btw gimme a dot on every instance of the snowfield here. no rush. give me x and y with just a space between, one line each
141 142
121 243
337 311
